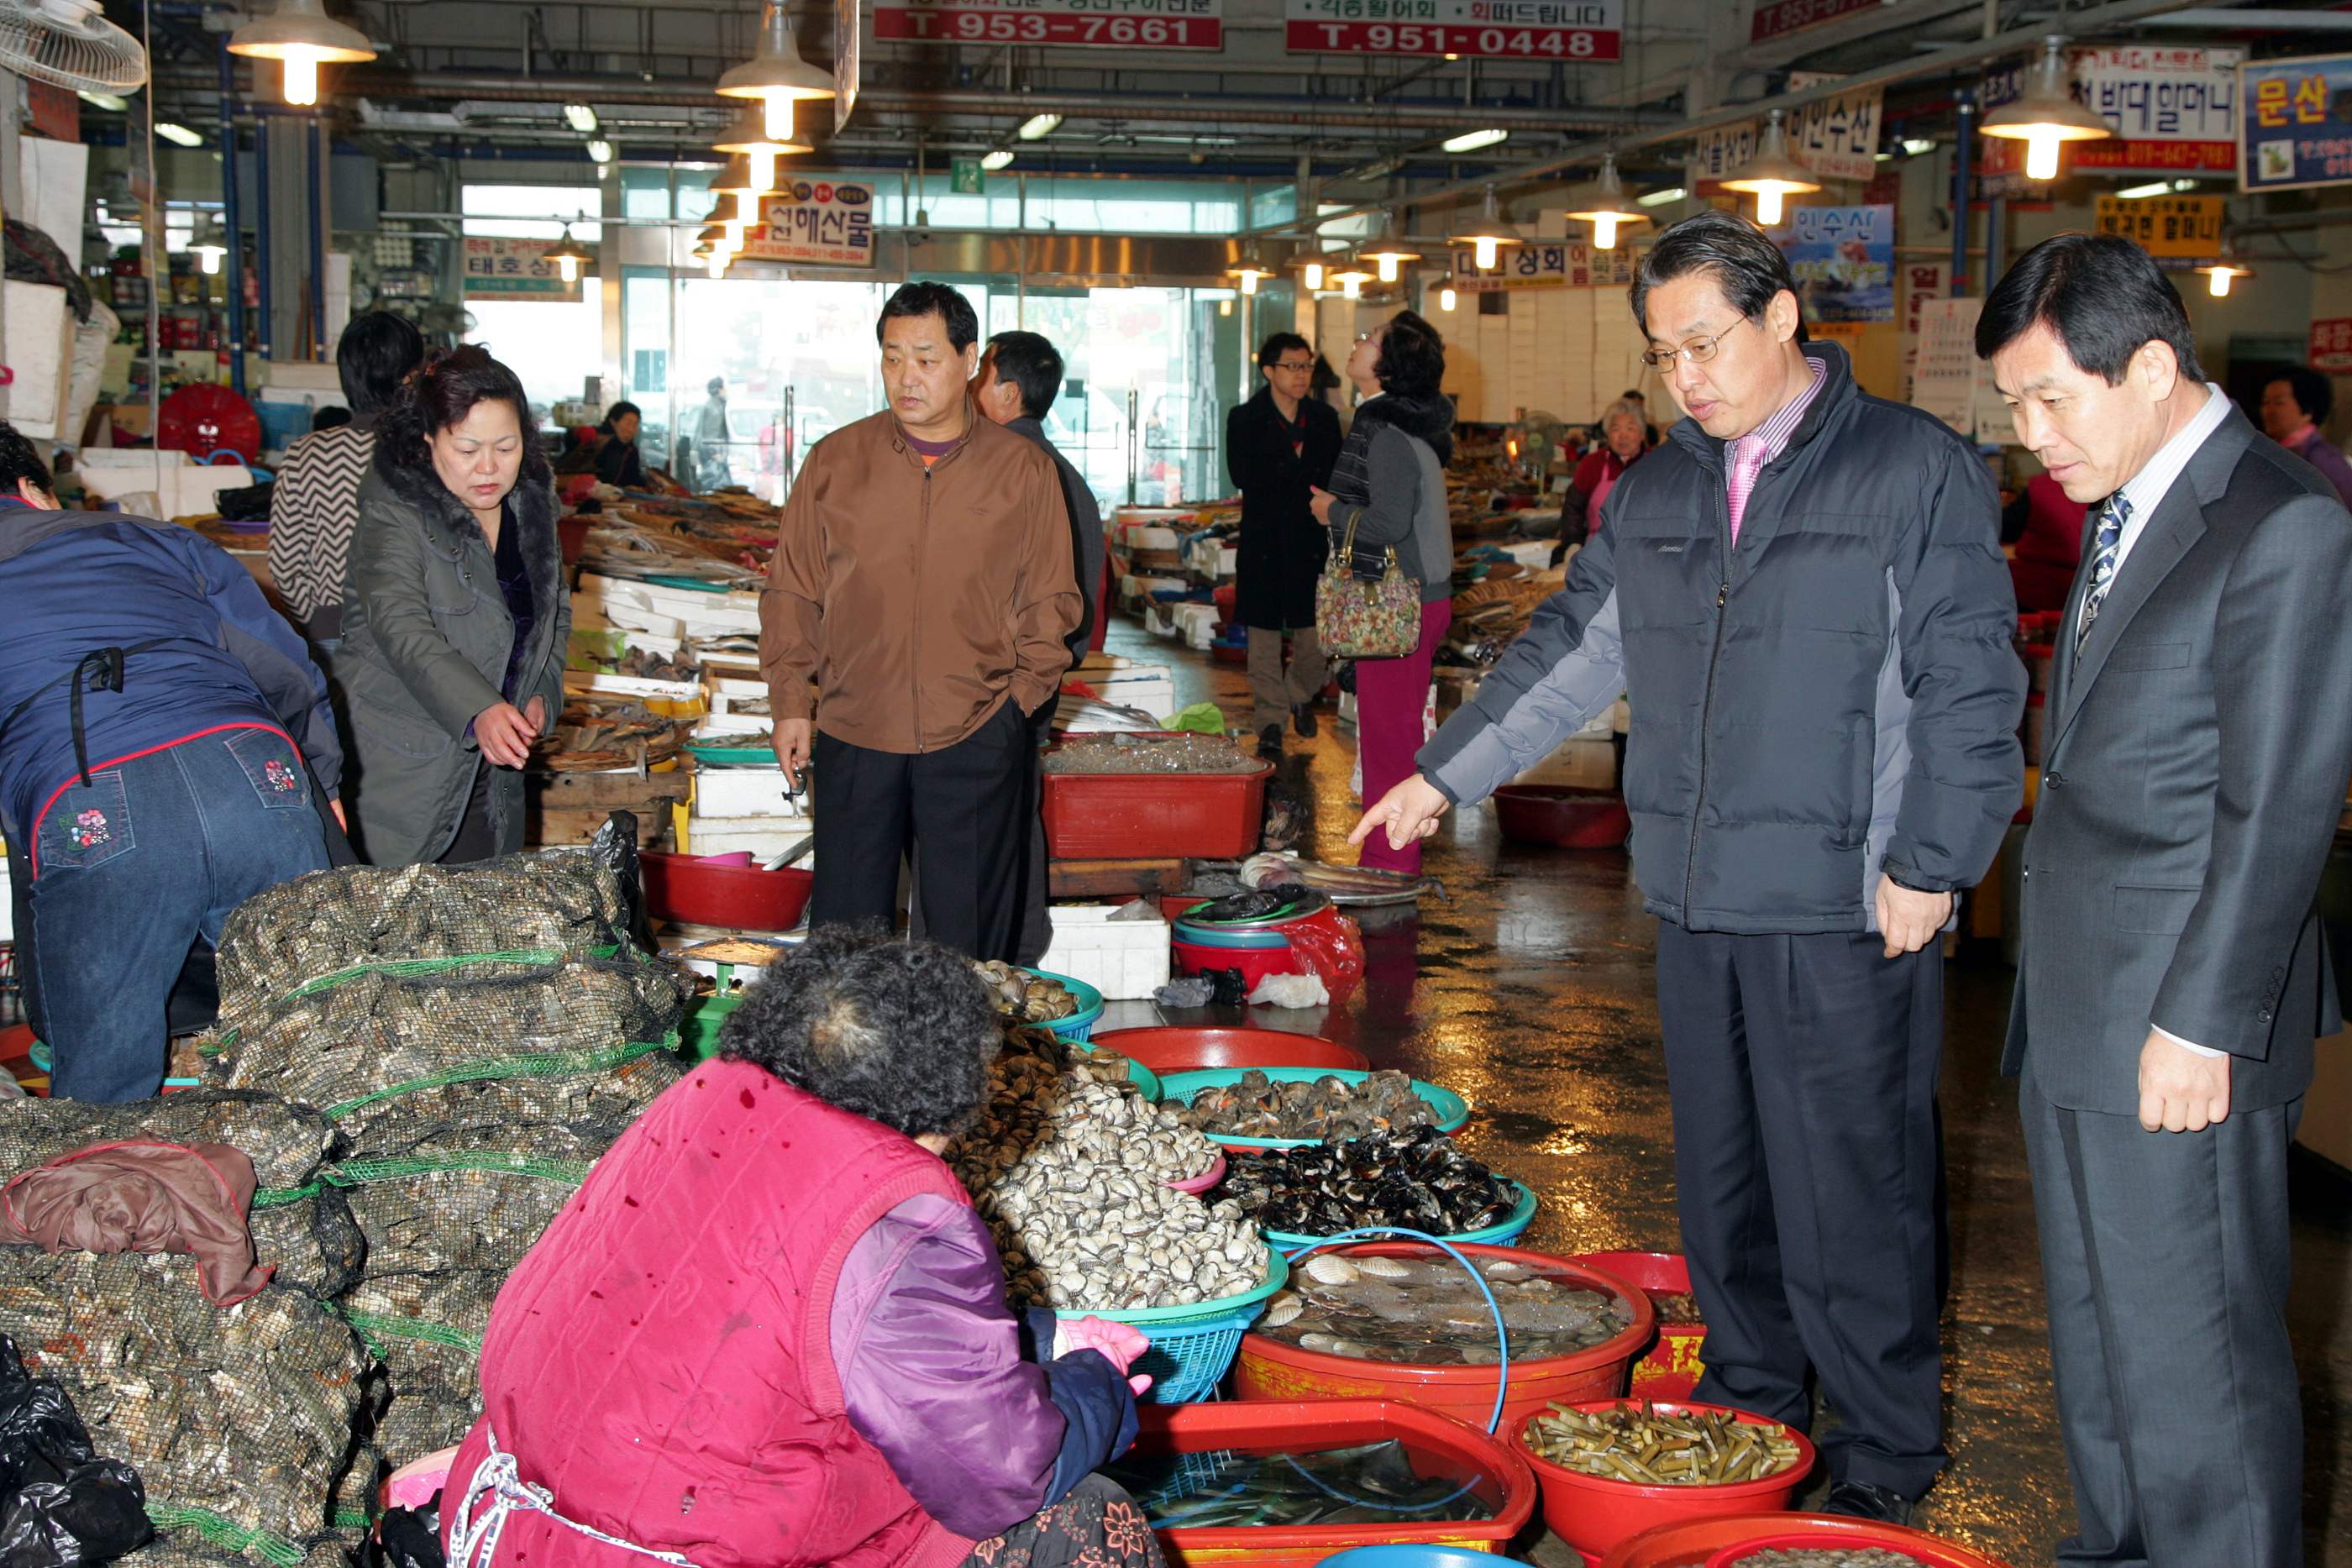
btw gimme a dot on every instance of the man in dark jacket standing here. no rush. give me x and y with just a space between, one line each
1279 446
1020 377
915 622
1802 591
2174 971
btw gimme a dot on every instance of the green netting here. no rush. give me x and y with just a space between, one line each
285 1143
226 1533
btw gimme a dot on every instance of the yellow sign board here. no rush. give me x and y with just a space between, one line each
2165 225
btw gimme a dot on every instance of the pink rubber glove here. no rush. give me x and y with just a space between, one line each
1119 1344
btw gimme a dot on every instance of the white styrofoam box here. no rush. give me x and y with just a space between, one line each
727 693
719 722
1126 960
1157 698
1533 554
1583 761
701 615
1152 538
1229 560
1158 622
745 792
300 376
764 836
662 634
1196 623
633 686
1098 661
180 489
40 328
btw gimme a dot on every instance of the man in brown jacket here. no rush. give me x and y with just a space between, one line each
917 607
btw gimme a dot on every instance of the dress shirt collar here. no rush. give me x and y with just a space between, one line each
1771 438
2145 488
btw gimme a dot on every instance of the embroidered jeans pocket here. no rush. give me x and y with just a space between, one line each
276 773
87 826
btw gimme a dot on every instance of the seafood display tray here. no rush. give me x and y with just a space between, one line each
1079 1025
1594 1514
1453 1110
1501 1235
1169 1048
1439 1448
1270 1369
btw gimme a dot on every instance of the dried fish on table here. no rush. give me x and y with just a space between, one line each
1643 1443
1255 1106
1367 1484
1425 1310
1070 1173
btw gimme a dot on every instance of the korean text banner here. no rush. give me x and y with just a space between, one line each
1511 29
2298 123
1083 24
2174 111
516 269
2165 225
1836 138
818 223
2331 345
1565 264
1844 261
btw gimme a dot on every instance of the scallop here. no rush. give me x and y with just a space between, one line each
1328 1268
1383 1268
1281 1308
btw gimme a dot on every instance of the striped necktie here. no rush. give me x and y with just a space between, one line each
2111 518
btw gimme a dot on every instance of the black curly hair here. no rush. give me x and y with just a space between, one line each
898 1031
1412 356
19 461
442 391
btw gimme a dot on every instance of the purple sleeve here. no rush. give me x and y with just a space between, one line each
930 1366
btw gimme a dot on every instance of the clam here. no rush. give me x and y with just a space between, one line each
1282 1307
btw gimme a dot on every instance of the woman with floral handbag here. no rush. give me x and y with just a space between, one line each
1388 595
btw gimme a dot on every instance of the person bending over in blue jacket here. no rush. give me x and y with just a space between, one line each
166 744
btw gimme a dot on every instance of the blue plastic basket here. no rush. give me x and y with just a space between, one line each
1191 1346
1079 1025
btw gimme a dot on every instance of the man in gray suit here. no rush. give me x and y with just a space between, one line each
2174 975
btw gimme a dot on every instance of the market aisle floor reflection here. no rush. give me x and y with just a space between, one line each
1528 987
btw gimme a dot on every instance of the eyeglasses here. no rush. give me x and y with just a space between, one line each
1292 365
1698 351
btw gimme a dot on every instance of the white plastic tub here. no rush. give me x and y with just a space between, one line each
1126 960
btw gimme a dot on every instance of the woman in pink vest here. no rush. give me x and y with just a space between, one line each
772 1332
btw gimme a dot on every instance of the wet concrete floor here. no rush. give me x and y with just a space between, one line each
1531 990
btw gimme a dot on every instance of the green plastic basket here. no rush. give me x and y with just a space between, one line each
1453 1110
1192 1345
1079 1025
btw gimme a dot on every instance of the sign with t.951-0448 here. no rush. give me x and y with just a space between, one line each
1511 29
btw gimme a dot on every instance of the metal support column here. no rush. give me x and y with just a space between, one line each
232 230
1996 241
265 295
1966 104
316 207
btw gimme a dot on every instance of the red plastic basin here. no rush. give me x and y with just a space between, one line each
1170 1048
1795 1536
1593 1513
1254 963
1437 1447
1273 1369
1555 814
680 887
1148 816
1687 1544
1672 1368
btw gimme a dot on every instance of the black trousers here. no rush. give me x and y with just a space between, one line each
2165 1258
1803 1072
963 804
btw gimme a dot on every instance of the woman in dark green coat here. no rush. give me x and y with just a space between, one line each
454 618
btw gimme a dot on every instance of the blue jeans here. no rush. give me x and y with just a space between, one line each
133 867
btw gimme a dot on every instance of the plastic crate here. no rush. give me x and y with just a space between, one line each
1148 816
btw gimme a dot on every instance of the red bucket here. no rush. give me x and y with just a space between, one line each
1254 963
1693 1543
743 898
1593 1513
1671 1369
1273 1369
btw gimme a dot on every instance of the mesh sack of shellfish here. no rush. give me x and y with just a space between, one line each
385 1032
592 1108
242 1417
561 899
313 1243
1071 1176
427 1332
285 1143
435 1212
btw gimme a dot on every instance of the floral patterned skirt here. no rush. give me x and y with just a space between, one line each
1096 1526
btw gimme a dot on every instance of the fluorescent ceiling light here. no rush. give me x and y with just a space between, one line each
105 101
1037 126
1915 145
580 117
998 158
179 133
1471 140
1660 198
2184 184
2134 192
599 152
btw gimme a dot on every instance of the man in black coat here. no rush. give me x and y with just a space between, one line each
2174 974
1020 376
1279 445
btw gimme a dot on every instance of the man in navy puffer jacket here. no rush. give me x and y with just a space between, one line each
164 743
1802 592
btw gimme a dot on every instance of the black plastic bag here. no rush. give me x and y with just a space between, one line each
247 504
615 848
63 1505
409 1538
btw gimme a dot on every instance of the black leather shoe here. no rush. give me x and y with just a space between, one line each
1302 719
1269 741
1860 1499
